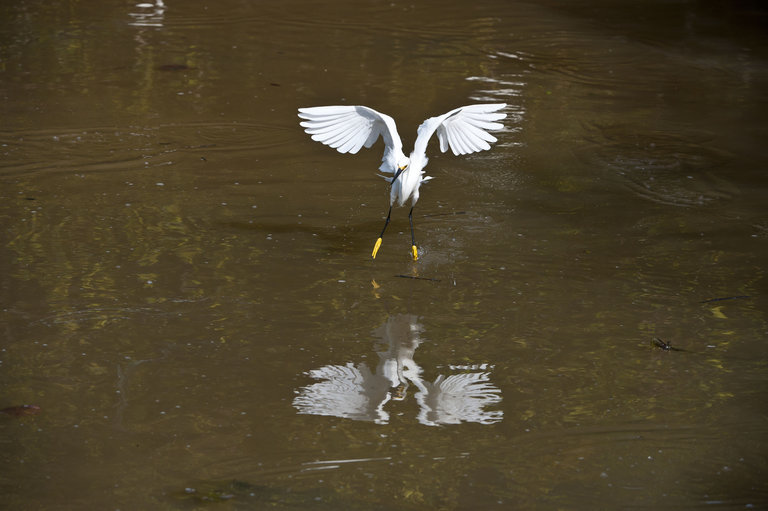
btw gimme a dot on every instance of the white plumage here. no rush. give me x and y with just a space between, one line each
349 128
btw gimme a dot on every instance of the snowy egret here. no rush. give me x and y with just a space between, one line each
348 128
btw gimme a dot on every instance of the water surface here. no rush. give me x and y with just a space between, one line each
188 295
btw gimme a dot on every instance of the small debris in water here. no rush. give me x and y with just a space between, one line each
666 346
173 67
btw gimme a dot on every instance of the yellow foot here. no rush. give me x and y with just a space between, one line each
415 252
376 247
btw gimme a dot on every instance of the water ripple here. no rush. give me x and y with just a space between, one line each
672 168
104 149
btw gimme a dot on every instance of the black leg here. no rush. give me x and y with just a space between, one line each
378 241
413 237
386 223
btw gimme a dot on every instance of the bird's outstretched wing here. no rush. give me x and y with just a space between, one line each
464 129
348 128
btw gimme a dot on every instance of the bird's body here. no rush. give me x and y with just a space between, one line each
407 185
348 128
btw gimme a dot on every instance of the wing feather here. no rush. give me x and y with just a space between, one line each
455 139
340 135
349 128
354 140
481 134
472 141
463 130
322 126
463 142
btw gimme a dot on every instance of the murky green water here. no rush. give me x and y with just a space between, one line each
188 297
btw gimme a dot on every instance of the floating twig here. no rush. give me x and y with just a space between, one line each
739 297
445 214
417 278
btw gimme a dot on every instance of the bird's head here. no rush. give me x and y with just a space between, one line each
403 162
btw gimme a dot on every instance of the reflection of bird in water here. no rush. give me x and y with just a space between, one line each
347 391
349 128
401 334
354 392
149 15
459 397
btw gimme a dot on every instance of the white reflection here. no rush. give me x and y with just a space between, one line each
353 391
148 14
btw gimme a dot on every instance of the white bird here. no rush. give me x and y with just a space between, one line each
348 128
